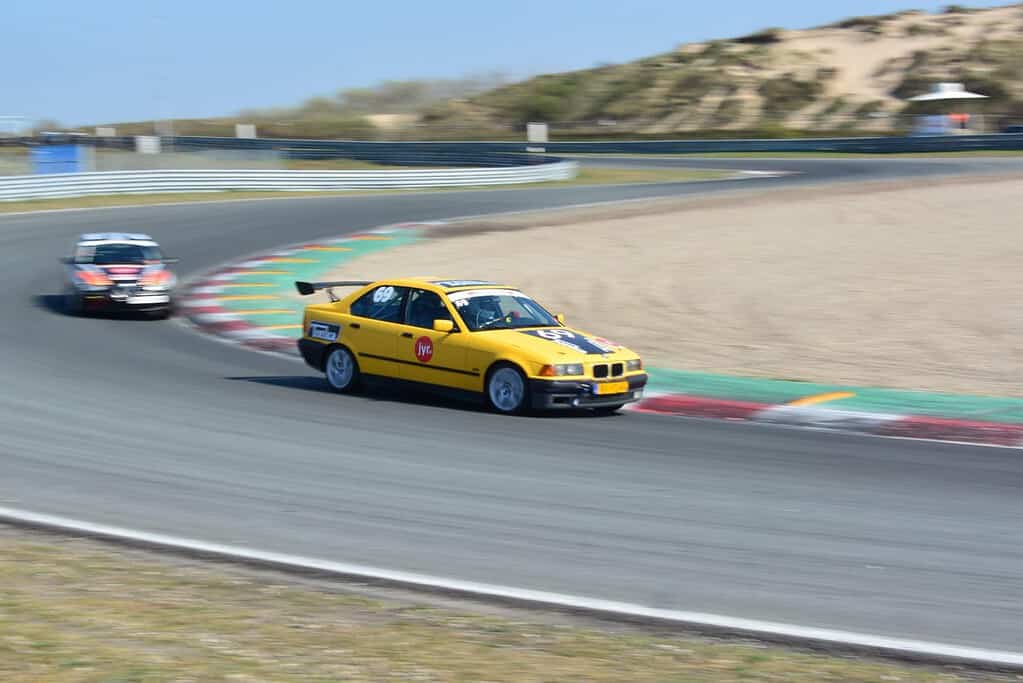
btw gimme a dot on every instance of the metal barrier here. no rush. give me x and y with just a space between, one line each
508 153
499 154
128 182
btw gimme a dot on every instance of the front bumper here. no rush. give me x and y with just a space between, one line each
114 300
312 352
567 394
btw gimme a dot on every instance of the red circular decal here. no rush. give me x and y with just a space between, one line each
424 349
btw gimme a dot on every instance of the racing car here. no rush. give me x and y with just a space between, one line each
485 339
110 271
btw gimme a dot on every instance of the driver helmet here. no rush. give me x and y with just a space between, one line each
486 308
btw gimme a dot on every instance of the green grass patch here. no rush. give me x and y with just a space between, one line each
587 176
74 610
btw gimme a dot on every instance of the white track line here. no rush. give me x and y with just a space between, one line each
916 649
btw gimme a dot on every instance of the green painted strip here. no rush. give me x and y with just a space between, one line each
866 399
755 390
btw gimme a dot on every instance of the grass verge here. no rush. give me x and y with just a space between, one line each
75 610
587 176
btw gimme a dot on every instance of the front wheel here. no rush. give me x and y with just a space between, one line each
342 370
506 389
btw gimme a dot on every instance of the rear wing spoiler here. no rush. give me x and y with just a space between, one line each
307 288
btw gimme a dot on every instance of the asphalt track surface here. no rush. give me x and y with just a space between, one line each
148 425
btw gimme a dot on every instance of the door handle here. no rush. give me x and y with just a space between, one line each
407 335
354 326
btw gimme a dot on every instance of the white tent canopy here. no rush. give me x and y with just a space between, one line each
947 91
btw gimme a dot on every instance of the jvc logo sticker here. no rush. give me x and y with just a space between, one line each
324 331
424 349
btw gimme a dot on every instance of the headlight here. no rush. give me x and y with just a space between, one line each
91 280
159 279
561 370
633 365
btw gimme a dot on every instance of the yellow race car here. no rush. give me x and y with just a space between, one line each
484 338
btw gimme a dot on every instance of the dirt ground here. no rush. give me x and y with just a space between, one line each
916 286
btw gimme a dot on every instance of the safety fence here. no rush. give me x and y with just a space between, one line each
162 181
505 153
492 154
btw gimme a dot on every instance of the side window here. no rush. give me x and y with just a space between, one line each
381 303
424 307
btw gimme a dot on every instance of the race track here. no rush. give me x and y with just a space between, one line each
147 425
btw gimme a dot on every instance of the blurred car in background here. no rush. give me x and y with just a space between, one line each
111 271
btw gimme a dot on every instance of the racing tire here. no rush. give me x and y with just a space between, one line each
341 370
507 390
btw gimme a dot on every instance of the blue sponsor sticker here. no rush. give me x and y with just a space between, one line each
577 342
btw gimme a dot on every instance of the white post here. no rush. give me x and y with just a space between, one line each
536 133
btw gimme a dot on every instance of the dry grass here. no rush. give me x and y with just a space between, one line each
78 611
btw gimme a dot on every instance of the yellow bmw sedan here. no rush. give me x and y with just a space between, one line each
481 339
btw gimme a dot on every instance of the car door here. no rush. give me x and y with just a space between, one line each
430 356
373 329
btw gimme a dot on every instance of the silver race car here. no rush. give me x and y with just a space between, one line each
111 271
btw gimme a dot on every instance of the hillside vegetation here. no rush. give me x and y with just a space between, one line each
852 76
855 73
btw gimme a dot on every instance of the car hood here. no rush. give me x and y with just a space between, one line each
558 344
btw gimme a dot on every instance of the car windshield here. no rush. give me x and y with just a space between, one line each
108 254
499 309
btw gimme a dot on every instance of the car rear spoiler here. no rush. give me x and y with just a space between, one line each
307 288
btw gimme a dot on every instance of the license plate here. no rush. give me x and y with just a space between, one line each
149 299
611 388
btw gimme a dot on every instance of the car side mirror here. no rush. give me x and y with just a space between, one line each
67 260
446 326
560 317
171 260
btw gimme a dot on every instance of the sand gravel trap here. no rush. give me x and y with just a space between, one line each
905 286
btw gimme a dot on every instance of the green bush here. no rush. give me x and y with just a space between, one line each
871 107
826 73
834 106
788 94
767 36
727 113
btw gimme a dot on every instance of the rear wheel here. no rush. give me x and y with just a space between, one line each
507 389
341 370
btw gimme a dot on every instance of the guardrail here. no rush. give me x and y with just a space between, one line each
133 182
499 153
878 145
509 153
503 153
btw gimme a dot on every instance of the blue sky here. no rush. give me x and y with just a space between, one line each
84 62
